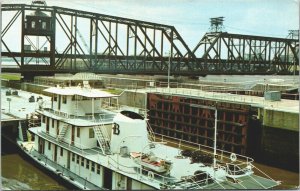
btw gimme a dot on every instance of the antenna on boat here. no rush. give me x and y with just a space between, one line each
212 107
215 135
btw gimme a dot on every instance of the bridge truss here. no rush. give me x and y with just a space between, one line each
225 52
86 41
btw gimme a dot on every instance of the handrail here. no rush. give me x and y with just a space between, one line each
164 179
151 135
262 172
245 158
241 160
235 172
70 145
111 159
105 117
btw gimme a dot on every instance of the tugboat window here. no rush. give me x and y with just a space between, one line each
44 25
77 161
49 146
33 24
91 133
78 132
93 166
73 157
61 151
55 98
82 161
64 99
98 169
87 164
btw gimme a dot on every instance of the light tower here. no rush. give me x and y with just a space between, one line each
216 24
38 25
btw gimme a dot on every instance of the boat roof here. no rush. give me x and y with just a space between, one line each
81 91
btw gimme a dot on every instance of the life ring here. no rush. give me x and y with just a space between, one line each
233 157
150 175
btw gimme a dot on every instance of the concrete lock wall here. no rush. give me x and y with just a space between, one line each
133 99
123 82
280 139
280 147
35 88
281 119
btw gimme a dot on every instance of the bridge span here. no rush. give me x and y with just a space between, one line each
63 40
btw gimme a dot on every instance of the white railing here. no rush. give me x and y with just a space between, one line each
110 106
33 120
151 135
71 143
242 162
236 170
102 117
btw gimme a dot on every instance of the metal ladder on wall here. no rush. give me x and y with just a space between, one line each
102 138
62 132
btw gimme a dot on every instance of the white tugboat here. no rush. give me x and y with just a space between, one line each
83 140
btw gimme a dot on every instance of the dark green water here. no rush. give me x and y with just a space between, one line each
19 174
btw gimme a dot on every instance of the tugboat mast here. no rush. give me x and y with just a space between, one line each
215 137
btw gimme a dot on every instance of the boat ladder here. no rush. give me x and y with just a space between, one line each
151 135
62 132
24 130
102 138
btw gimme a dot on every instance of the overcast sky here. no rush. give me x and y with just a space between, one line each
191 17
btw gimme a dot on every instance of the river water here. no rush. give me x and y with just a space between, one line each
19 174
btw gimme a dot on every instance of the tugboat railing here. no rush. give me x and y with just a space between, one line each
262 172
241 161
64 172
151 135
110 106
141 172
237 171
76 145
102 117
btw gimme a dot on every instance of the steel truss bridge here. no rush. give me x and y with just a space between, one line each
116 45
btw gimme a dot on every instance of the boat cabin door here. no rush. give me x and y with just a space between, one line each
107 178
59 100
68 160
72 134
55 153
41 145
57 127
47 124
